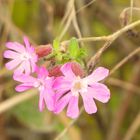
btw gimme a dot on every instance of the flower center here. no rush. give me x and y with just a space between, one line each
25 56
79 86
39 84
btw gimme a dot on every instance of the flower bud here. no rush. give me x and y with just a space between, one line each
43 50
55 71
77 69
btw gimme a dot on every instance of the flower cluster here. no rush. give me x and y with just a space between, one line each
56 91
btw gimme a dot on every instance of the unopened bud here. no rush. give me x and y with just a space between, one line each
77 69
55 71
43 50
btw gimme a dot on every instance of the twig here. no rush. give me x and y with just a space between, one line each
112 38
133 128
66 26
122 62
68 21
94 60
83 22
68 127
88 39
131 10
76 26
85 6
128 18
68 11
111 22
124 85
73 132
106 38
74 21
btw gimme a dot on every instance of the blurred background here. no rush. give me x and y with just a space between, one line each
42 21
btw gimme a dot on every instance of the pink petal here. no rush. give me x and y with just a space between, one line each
59 94
41 102
27 67
24 78
48 97
67 71
27 44
11 54
19 70
15 46
32 49
47 94
12 64
61 86
29 48
33 66
99 92
41 72
35 58
89 104
22 87
73 109
61 83
97 75
60 104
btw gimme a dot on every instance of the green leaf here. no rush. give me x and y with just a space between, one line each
73 48
58 54
66 57
82 53
59 57
56 45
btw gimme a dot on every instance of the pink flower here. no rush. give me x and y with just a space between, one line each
69 87
23 58
43 83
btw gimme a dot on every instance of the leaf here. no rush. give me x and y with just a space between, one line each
59 57
56 45
66 58
73 48
82 53
58 54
